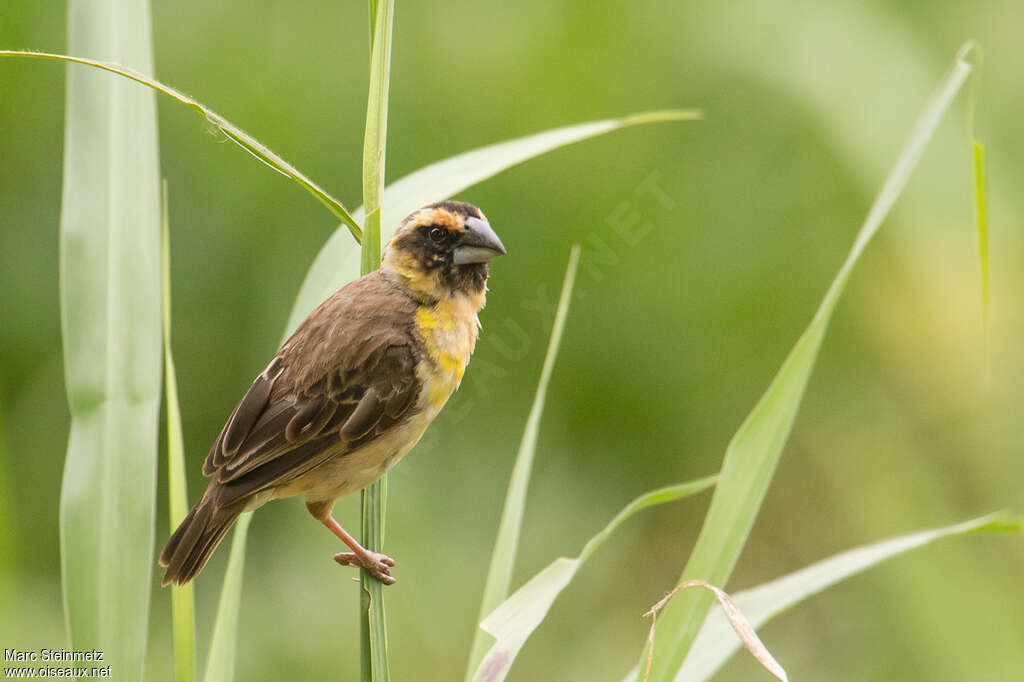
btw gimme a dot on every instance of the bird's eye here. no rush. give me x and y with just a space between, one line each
437 234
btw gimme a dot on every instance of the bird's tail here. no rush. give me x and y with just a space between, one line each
195 539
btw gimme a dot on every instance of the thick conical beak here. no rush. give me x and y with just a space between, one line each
478 244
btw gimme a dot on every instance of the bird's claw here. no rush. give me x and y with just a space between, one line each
378 565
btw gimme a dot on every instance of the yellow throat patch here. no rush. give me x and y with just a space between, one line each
449 330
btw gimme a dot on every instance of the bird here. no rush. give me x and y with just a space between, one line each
352 390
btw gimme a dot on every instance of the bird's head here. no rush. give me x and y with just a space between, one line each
443 250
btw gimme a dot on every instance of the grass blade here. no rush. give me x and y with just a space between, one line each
375 139
8 560
338 261
736 619
220 665
499 575
980 184
715 644
980 204
110 310
981 207
374 663
512 623
183 619
753 453
373 625
233 132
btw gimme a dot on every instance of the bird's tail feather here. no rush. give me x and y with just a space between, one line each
195 539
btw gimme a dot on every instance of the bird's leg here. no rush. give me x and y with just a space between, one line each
378 565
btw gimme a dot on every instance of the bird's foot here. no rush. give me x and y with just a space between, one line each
378 565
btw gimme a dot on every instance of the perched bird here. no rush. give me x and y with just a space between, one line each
352 390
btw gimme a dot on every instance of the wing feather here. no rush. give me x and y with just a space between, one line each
365 417
346 376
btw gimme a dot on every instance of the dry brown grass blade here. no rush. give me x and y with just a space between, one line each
739 623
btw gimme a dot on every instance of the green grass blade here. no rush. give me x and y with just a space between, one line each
716 643
499 576
375 139
233 132
515 619
338 261
980 184
110 309
8 559
220 664
981 207
753 453
980 204
374 665
183 619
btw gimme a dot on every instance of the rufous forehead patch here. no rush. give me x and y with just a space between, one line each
436 216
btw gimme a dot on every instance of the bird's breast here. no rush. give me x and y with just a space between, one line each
449 330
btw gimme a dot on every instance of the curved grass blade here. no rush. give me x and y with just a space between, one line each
338 261
374 664
110 314
233 132
736 619
183 621
515 619
754 451
715 644
499 575
220 664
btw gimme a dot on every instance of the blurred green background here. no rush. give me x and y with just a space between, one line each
745 218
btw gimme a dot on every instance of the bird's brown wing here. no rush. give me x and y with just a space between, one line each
346 376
